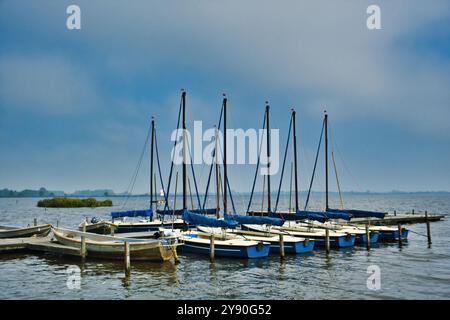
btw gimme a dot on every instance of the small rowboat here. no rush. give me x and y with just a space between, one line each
291 244
17 232
109 247
337 239
199 242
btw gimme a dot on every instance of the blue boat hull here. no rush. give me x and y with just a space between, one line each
362 238
255 251
393 235
336 242
293 247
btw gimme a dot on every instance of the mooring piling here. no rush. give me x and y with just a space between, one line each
83 243
395 213
35 222
428 228
211 247
412 211
281 247
327 240
127 258
367 237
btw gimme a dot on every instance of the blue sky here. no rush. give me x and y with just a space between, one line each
75 105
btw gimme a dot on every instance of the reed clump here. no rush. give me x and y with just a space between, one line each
62 202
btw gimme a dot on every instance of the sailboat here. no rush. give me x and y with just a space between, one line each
377 233
141 220
199 242
295 228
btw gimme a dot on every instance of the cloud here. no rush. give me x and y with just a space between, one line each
45 84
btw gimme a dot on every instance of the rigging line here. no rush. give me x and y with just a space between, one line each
166 194
315 165
214 157
166 206
136 171
284 163
342 158
257 165
231 196
337 181
193 175
290 189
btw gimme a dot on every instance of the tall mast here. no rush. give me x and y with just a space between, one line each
216 153
225 174
326 160
183 101
151 165
295 160
268 156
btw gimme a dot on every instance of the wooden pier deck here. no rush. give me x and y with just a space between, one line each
389 219
44 244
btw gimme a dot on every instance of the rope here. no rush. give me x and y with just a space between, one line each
166 207
257 168
315 165
284 163
136 170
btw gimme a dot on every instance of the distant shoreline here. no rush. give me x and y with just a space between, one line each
43 193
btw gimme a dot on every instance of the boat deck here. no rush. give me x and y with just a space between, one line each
44 244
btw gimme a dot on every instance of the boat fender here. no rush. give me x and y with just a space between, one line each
306 242
94 220
259 246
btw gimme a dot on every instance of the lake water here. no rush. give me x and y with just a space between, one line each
411 272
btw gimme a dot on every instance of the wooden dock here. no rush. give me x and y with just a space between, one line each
389 219
36 244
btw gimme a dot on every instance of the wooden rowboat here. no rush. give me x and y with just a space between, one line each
17 232
109 247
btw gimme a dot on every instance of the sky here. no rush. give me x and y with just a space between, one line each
75 105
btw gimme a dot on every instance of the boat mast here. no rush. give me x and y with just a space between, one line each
216 153
295 160
225 174
268 156
326 160
183 101
151 167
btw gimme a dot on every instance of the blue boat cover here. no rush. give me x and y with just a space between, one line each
179 212
132 213
254 219
339 215
359 213
312 215
203 220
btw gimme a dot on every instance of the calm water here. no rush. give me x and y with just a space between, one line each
412 272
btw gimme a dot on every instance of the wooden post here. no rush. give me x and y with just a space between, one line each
281 247
400 239
127 259
395 213
327 240
367 237
83 243
35 222
211 250
112 229
412 211
175 254
57 223
428 228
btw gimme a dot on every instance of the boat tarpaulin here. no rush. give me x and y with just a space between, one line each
312 215
339 215
203 220
132 213
255 219
179 212
359 213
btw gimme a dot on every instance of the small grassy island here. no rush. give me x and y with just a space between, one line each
62 202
